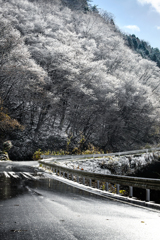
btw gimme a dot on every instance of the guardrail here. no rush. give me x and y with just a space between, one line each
144 183
70 157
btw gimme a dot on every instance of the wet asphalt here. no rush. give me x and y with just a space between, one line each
36 206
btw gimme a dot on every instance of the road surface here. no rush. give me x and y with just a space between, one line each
35 206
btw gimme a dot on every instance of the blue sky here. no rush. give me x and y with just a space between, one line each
139 17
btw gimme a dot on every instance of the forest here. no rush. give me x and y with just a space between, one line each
67 73
143 48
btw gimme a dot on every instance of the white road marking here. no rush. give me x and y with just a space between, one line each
25 175
29 175
6 174
13 174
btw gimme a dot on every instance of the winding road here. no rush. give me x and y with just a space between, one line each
33 205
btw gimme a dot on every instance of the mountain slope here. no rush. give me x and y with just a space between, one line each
143 48
84 80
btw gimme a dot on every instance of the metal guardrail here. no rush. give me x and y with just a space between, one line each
144 183
70 157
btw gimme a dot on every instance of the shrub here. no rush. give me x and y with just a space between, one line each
147 146
76 151
37 155
123 192
7 146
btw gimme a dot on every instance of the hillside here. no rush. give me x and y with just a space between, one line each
143 48
67 72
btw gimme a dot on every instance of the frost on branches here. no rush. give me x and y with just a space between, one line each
68 72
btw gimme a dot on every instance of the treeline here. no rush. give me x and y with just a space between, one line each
67 73
143 48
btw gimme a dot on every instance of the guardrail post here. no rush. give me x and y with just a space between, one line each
117 188
106 187
130 191
147 195
90 182
68 175
64 174
78 179
98 184
60 173
83 180
56 172
72 177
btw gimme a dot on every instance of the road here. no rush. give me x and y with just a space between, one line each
35 206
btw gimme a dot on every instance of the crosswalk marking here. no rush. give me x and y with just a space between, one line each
29 175
18 175
13 174
23 174
6 175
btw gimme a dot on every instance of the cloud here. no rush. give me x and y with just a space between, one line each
154 3
158 27
133 28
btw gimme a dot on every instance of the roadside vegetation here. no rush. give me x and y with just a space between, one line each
81 149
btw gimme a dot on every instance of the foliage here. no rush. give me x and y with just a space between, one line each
143 48
60 152
76 151
7 124
68 143
123 192
37 155
7 146
90 149
147 146
4 156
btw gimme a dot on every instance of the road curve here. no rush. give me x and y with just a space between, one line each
41 208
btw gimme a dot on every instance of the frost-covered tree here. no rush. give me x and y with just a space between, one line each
77 75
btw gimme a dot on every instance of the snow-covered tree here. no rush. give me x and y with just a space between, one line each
77 75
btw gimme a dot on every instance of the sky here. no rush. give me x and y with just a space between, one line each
139 17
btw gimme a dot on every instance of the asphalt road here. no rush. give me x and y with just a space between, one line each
35 206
